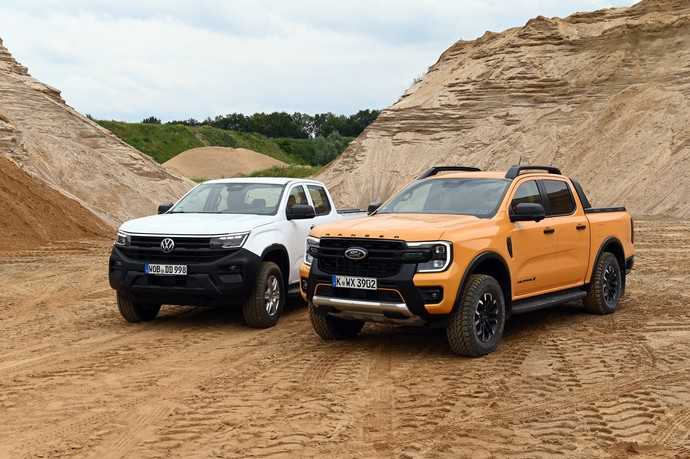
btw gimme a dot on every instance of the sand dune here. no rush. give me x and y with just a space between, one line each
219 162
604 95
74 155
34 214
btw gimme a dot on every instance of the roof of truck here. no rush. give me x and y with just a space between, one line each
482 174
267 180
487 175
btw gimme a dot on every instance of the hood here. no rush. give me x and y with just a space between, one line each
195 224
408 227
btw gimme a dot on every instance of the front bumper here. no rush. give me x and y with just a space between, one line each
398 298
224 281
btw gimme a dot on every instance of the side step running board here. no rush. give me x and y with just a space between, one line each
546 301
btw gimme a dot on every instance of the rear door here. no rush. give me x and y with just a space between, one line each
533 244
571 231
321 203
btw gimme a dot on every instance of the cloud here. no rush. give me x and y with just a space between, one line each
129 59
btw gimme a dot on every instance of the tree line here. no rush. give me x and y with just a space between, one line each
282 124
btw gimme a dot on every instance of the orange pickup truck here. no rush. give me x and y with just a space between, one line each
464 249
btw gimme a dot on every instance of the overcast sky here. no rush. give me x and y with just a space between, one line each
127 59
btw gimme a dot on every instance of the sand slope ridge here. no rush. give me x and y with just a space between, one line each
76 156
34 214
219 162
604 95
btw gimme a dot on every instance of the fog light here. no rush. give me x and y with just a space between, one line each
431 295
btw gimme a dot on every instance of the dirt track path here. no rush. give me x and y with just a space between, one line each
77 381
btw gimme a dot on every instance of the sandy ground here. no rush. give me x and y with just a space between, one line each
219 162
77 381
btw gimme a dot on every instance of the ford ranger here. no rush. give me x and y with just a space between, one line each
229 241
464 249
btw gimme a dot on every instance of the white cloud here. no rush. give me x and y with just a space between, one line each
129 59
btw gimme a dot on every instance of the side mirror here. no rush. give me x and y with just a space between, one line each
527 212
166 206
300 212
373 207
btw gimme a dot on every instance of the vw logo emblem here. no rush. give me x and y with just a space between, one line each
356 253
167 245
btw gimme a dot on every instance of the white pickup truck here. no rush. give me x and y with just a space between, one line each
226 242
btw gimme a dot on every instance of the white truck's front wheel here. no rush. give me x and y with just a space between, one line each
267 300
136 312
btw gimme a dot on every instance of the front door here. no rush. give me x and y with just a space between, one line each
297 231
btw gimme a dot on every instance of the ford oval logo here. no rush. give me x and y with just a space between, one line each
167 245
356 253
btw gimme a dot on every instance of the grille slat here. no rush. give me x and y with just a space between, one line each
384 258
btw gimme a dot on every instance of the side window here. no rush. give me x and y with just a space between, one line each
559 197
297 197
527 192
320 200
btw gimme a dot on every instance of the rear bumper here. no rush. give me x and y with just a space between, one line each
225 281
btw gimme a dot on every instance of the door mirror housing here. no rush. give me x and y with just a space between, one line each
373 207
527 212
164 207
300 212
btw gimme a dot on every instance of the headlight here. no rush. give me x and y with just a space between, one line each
311 246
441 256
229 241
123 239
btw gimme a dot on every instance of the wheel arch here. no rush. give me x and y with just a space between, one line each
612 245
278 254
491 264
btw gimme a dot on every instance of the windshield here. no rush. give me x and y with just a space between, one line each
231 198
477 197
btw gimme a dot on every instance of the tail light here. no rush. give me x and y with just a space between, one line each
632 230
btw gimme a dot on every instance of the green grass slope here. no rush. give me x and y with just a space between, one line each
165 141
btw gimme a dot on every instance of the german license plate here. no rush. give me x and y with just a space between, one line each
362 283
165 270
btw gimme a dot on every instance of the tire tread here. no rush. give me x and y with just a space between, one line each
254 309
133 312
333 328
594 301
460 329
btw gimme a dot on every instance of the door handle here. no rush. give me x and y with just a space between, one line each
549 230
581 227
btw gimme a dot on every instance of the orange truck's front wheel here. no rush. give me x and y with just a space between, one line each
476 326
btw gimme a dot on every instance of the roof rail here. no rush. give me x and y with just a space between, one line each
514 171
436 169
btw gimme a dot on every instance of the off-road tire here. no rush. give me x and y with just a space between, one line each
596 300
461 330
255 310
136 312
331 328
